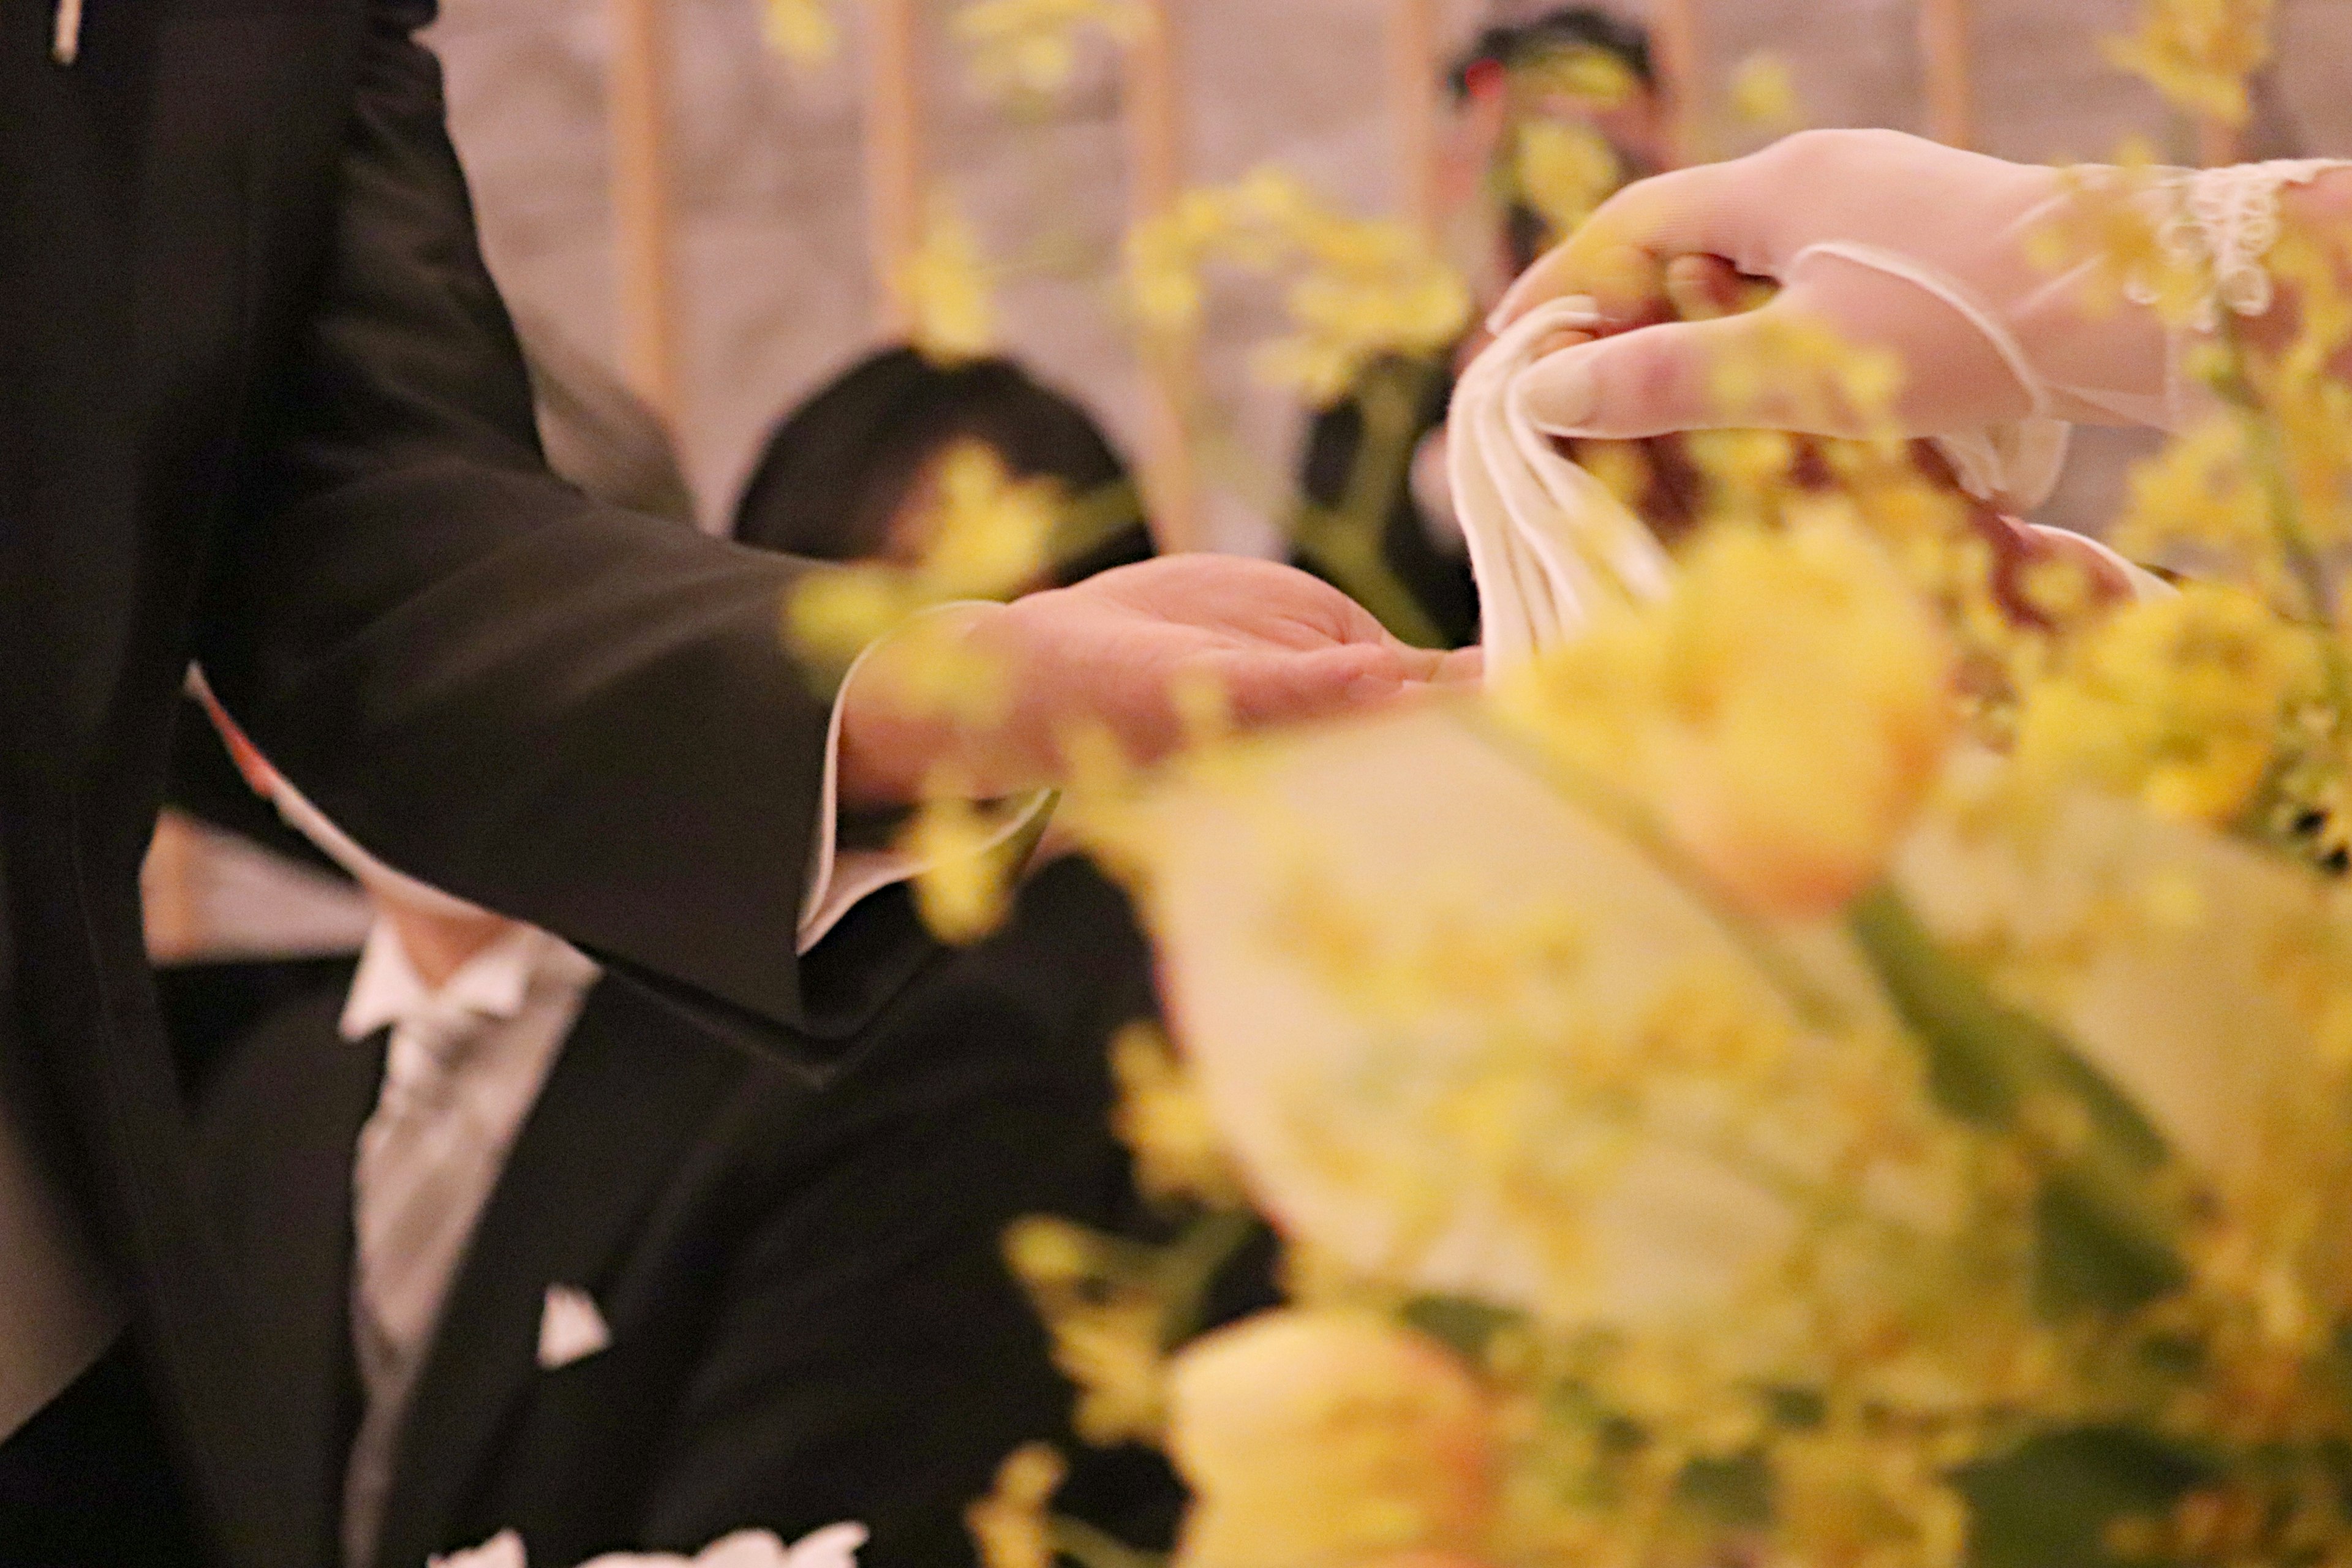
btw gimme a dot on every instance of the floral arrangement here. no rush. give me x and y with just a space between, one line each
1848 1064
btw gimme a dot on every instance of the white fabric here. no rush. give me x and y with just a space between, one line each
840 879
462 1069
1549 544
2224 223
572 1328
834 1546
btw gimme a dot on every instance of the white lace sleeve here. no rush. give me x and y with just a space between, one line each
2223 223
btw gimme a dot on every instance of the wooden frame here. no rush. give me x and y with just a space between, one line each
644 260
896 154
1947 62
1157 136
1417 103
1678 36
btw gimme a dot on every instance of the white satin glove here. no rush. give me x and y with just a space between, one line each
1550 546
1903 245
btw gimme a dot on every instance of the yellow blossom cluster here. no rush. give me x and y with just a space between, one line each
1031 47
948 290
2181 702
1012 1526
985 535
1849 1077
2199 53
1781 717
803 31
1163 1117
1564 170
1764 93
1357 291
1577 74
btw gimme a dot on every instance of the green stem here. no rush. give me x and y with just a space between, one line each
1188 1270
2235 386
1345 541
2109 1232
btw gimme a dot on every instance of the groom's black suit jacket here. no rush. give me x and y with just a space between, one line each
811 1320
260 406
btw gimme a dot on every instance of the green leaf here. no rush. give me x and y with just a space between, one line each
1461 1322
2108 1240
1732 1494
2047 1503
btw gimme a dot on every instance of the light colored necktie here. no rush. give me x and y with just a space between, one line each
423 1167
423 1171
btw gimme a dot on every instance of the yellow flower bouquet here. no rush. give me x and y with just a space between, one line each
1847 1063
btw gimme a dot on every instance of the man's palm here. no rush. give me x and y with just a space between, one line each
1117 653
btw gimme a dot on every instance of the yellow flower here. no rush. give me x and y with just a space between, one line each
1011 1527
2199 53
1104 1314
963 890
1163 1120
1783 712
1459 1050
1565 170
803 31
1764 93
984 535
1595 79
2179 703
949 290
990 535
1356 290
1328 1437
1031 47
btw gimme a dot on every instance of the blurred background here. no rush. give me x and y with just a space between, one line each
773 286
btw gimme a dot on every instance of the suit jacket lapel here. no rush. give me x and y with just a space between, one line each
295 1256
634 1085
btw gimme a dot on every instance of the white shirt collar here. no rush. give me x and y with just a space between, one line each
494 985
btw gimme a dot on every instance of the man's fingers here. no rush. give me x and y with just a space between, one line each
1274 688
1697 375
1619 256
1463 667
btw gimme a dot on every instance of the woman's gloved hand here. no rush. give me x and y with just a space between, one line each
1895 243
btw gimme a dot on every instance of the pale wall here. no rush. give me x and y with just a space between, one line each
772 259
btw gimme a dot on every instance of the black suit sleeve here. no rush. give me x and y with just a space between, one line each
872 1359
573 714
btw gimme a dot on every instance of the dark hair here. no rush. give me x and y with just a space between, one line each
837 470
1570 27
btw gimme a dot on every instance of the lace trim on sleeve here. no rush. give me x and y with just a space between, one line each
2223 222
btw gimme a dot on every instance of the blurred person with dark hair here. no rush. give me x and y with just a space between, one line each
1553 113
566 1260
846 475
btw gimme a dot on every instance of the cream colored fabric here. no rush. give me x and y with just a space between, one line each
1549 544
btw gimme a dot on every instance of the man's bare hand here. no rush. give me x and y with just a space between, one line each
1117 654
